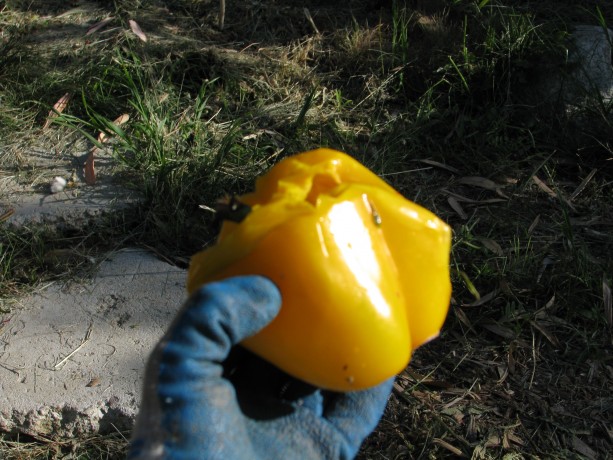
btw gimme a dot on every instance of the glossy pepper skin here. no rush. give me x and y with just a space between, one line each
363 272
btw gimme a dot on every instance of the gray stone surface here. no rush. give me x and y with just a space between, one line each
28 193
593 74
72 355
592 52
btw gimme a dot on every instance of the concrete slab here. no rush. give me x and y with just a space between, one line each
29 196
72 355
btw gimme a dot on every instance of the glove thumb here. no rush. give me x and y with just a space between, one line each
220 315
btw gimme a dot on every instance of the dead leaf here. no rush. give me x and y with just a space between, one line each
499 330
548 335
544 187
484 183
582 448
492 441
88 169
99 25
462 317
94 382
608 303
137 30
553 194
120 120
451 169
464 199
483 300
445 445
583 184
456 207
534 224
492 246
515 439
58 108
481 182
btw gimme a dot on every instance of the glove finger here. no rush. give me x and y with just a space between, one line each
355 415
220 315
184 394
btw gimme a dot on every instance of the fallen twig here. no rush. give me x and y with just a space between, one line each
83 342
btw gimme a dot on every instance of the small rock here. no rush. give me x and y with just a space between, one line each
58 184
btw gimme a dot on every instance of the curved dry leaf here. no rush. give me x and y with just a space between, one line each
463 199
137 30
58 108
120 120
583 184
534 223
544 187
99 25
483 300
456 207
437 164
608 303
548 335
492 246
481 182
88 168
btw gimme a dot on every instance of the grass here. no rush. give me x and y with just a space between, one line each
443 99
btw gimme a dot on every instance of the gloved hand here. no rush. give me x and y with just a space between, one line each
204 398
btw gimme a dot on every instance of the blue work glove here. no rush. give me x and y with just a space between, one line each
204 398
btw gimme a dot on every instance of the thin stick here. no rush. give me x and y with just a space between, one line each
83 342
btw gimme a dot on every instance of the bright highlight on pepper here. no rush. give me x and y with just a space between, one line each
363 272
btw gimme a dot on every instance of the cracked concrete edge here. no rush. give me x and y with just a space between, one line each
67 421
72 355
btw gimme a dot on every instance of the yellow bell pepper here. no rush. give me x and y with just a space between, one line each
363 272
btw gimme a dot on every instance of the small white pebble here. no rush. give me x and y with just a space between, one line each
58 184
